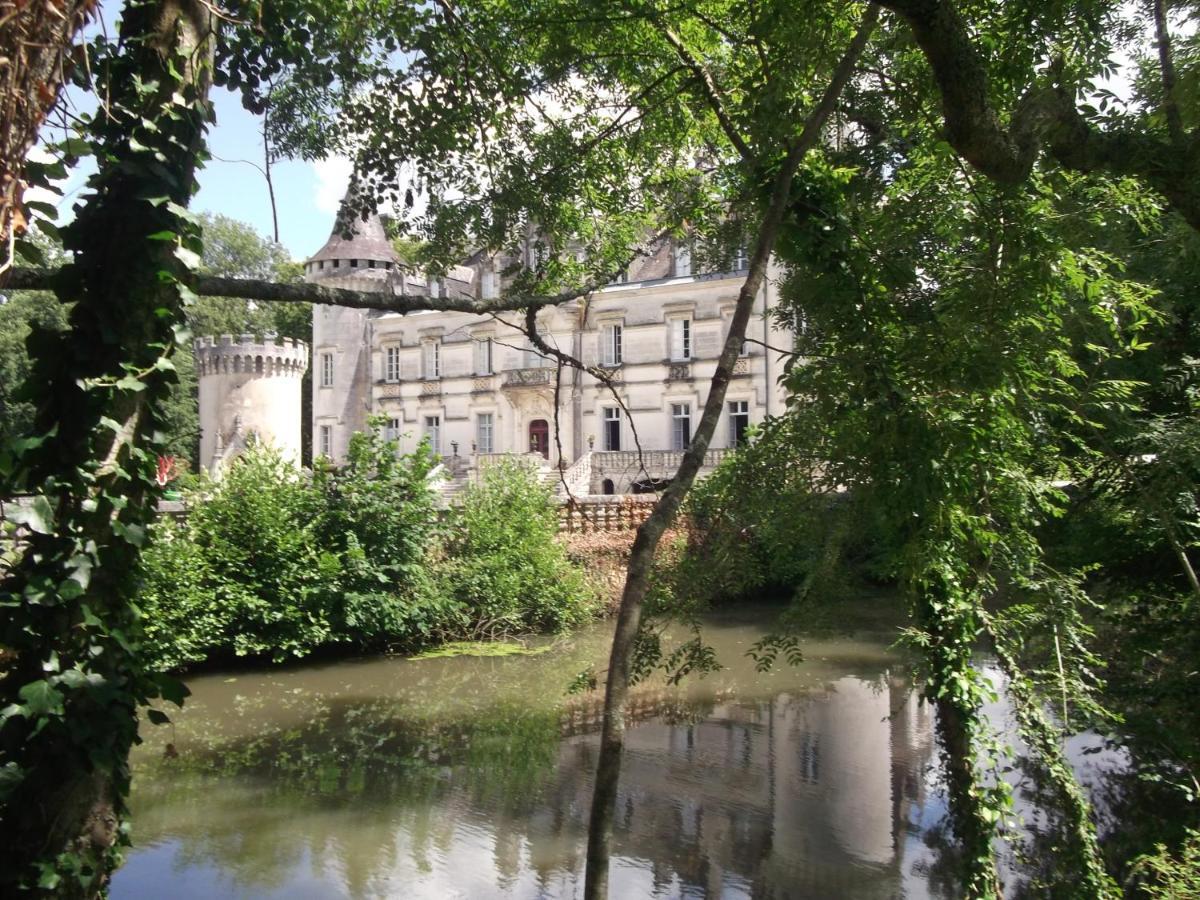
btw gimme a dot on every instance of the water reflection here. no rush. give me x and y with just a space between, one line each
472 778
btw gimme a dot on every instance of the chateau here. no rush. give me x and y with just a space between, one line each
475 387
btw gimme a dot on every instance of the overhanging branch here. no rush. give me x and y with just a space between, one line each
1046 116
273 292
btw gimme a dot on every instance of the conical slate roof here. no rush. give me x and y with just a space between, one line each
367 241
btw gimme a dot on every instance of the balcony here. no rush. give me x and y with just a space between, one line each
521 378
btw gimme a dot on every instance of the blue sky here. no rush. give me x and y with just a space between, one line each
306 194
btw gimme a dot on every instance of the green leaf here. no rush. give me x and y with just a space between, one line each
37 516
189 258
41 699
131 383
11 776
172 689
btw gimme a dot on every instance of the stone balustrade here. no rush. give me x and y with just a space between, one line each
517 378
597 514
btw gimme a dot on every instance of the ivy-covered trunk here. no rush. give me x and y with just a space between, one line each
69 700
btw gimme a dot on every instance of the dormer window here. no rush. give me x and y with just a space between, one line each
683 260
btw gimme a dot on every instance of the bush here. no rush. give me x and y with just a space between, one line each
760 526
377 514
276 562
273 562
504 565
246 574
1174 876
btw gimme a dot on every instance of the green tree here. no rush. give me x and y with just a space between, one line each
75 679
703 115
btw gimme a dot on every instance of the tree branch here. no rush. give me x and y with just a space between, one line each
304 292
641 558
1166 64
710 94
1046 114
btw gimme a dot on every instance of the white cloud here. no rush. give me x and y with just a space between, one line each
333 176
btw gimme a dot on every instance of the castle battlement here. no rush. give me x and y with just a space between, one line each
237 354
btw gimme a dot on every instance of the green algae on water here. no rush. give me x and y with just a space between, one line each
479 648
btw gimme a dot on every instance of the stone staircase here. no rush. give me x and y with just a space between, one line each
454 473
576 480
447 480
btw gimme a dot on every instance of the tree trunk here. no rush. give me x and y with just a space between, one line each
641 559
70 698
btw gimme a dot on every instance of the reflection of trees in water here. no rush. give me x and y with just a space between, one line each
355 769
718 784
1138 802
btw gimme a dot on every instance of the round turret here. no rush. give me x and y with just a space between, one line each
356 249
250 390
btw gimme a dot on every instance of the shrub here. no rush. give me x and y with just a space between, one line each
504 564
1174 876
246 574
377 514
761 526
274 562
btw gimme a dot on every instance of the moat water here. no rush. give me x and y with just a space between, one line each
472 777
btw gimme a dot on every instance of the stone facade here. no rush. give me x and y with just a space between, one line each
474 386
249 390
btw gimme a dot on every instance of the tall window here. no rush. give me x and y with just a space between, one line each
611 350
392 431
681 339
326 370
739 421
433 431
534 359
391 364
612 428
326 443
431 359
483 357
484 431
681 425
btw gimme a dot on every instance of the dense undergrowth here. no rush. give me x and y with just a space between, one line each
274 562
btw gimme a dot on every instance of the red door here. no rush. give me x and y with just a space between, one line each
539 437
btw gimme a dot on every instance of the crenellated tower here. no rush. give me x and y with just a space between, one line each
249 391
